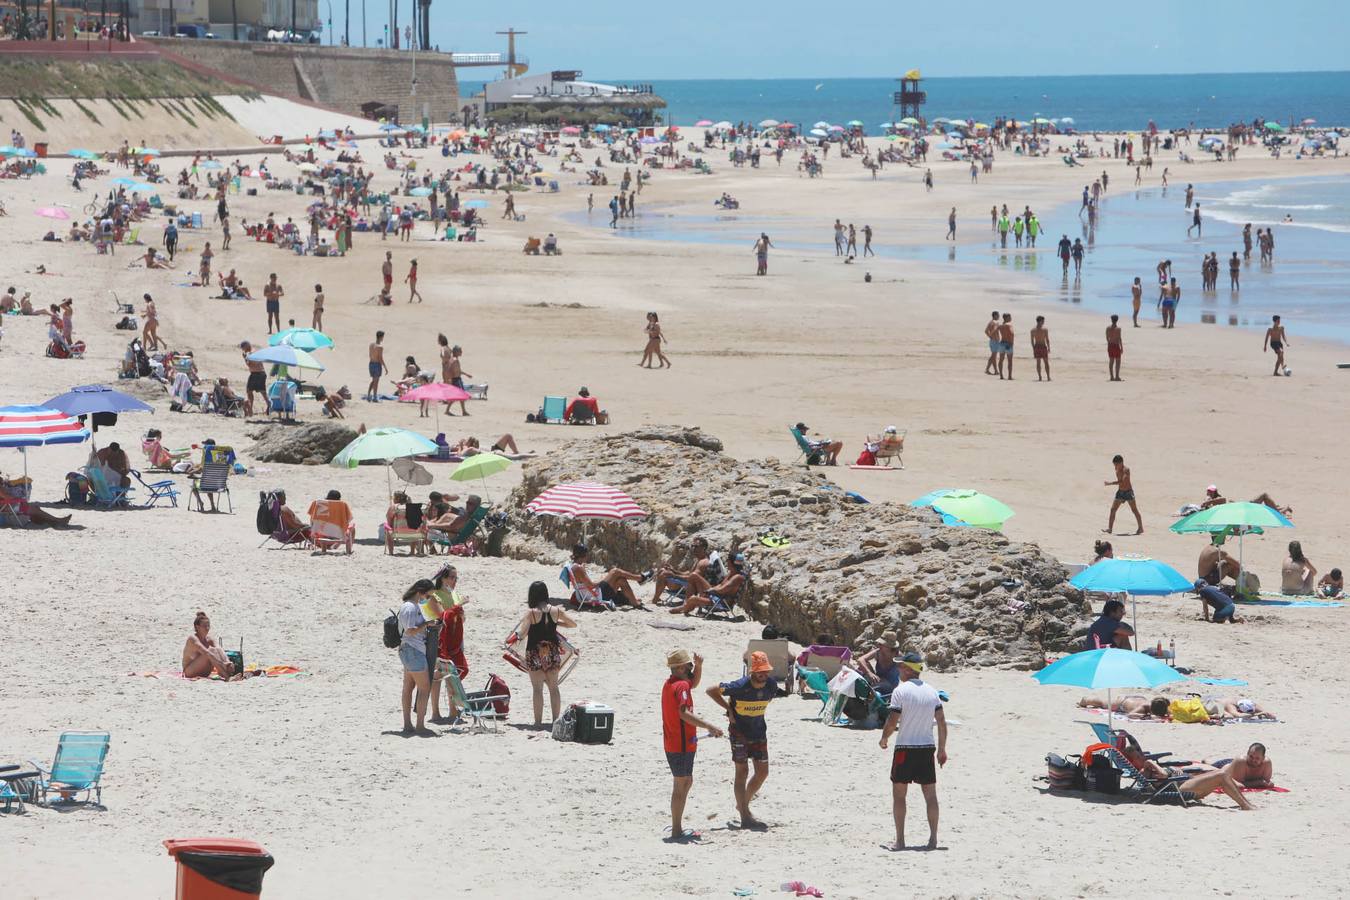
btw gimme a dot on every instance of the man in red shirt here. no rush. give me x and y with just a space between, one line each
681 734
585 408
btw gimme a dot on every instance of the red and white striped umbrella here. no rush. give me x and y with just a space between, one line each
585 500
34 426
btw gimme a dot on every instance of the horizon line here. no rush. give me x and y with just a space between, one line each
960 77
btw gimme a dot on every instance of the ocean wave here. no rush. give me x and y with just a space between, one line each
1237 218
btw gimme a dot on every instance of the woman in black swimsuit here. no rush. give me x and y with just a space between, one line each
543 653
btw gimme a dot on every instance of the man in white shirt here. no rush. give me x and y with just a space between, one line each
915 706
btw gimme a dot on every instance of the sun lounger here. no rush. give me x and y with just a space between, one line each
159 490
77 768
214 480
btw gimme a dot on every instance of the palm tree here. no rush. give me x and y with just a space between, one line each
234 17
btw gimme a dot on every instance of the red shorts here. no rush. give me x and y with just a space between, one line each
1040 352
1113 351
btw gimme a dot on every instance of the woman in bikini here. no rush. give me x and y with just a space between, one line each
654 340
150 333
202 654
317 321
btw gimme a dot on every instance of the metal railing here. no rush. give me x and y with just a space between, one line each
486 59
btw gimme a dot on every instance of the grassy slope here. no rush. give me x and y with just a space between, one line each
71 78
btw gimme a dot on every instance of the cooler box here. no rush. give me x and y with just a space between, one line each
219 868
595 724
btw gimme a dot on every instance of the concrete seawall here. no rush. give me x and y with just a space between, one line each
340 78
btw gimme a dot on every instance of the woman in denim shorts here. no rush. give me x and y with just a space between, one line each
412 652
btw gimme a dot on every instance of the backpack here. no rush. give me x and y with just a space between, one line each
267 523
393 635
497 687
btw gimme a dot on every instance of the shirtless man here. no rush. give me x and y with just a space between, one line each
1135 706
668 575
411 281
1124 494
1214 564
316 320
1250 770
377 367
202 654
387 271
1277 341
1136 295
455 375
1040 347
991 332
1005 338
1195 223
257 380
205 269
1115 349
272 293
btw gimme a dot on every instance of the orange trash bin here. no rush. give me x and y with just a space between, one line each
219 868
40 149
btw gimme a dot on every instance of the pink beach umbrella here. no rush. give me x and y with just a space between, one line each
703 123
585 500
53 212
435 392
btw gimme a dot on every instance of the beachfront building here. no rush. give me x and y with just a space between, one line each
561 96
256 18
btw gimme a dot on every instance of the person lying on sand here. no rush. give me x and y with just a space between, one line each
154 260
1236 708
1253 769
1135 706
1214 498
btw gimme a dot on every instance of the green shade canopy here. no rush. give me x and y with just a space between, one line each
1240 517
383 444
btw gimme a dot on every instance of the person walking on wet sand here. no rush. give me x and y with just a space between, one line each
1195 223
1276 340
995 365
376 366
1115 348
1040 347
762 254
867 241
655 338
1136 296
1124 494
411 281
951 225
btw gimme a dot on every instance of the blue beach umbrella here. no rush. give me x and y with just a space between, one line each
124 181
602 128
306 339
79 153
390 127
96 398
1108 668
286 355
211 164
477 204
144 187
420 192
1134 575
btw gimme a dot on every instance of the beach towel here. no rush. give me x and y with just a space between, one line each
1273 600
1223 682
330 521
1273 789
265 671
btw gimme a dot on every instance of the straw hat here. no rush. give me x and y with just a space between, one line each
888 639
679 657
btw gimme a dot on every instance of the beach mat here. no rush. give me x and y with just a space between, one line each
875 468
1273 789
1280 600
265 671
1222 682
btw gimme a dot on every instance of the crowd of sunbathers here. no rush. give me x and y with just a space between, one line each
693 579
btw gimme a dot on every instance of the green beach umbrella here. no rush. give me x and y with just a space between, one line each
1274 126
480 466
910 120
1233 518
967 507
385 444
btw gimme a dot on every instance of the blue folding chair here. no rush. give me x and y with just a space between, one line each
78 767
105 495
159 490
554 409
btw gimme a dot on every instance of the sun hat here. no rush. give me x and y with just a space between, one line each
1212 489
679 657
891 429
759 662
888 639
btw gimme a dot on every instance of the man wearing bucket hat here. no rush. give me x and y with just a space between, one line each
745 701
880 664
915 707
681 733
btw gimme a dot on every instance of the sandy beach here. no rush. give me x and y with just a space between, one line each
311 765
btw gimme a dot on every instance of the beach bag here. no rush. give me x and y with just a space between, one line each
497 687
1190 710
565 727
265 522
393 635
866 458
1102 777
1065 774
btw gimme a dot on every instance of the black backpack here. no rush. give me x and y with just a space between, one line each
393 635
267 524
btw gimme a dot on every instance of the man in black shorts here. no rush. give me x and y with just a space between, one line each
915 708
257 380
680 727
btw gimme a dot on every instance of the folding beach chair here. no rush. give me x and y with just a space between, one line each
479 706
891 447
159 490
553 410
403 531
465 534
514 654
594 601
827 659
214 480
1145 788
286 537
105 495
17 786
330 522
806 452
10 515
281 399
78 767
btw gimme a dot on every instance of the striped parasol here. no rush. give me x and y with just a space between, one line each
37 426
585 500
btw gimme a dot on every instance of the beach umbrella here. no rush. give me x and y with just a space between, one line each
821 125
306 339
966 507
96 398
1134 575
703 123
909 120
836 128
8 150
145 151
724 125
144 187
124 181
211 164
1108 668
480 466
389 126
477 204
571 129
1274 126
37 426
435 392
1067 119
1308 121
1233 518
385 444
79 153
411 471
769 123
307 167
855 123
820 132
602 128
420 192
286 355
585 500
52 212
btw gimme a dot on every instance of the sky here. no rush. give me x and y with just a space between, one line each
865 38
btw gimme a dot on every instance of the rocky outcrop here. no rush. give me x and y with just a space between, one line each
313 443
962 596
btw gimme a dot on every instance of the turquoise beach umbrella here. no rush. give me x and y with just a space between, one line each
1133 575
385 444
83 154
301 338
1108 668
